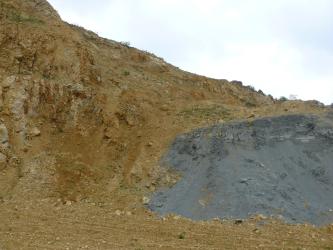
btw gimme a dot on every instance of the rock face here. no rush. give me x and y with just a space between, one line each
92 105
82 115
271 166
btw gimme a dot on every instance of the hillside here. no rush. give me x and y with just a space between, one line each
84 123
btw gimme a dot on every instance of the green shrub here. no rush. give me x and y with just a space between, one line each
250 87
205 112
283 99
181 236
126 73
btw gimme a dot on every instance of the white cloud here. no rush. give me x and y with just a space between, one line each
282 47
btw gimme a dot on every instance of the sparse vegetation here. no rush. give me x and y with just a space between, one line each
261 92
126 73
206 112
250 87
23 18
237 82
182 235
283 99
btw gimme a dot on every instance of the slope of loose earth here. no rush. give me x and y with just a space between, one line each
280 166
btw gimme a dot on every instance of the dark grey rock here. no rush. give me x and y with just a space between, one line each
280 166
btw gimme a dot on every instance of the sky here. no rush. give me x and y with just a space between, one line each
283 47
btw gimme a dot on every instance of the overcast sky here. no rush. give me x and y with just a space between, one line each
283 47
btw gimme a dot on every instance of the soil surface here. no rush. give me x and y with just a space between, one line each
278 167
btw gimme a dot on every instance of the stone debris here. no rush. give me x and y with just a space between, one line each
34 132
145 200
118 212
260 168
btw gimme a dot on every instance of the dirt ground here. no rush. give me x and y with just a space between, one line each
85 226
